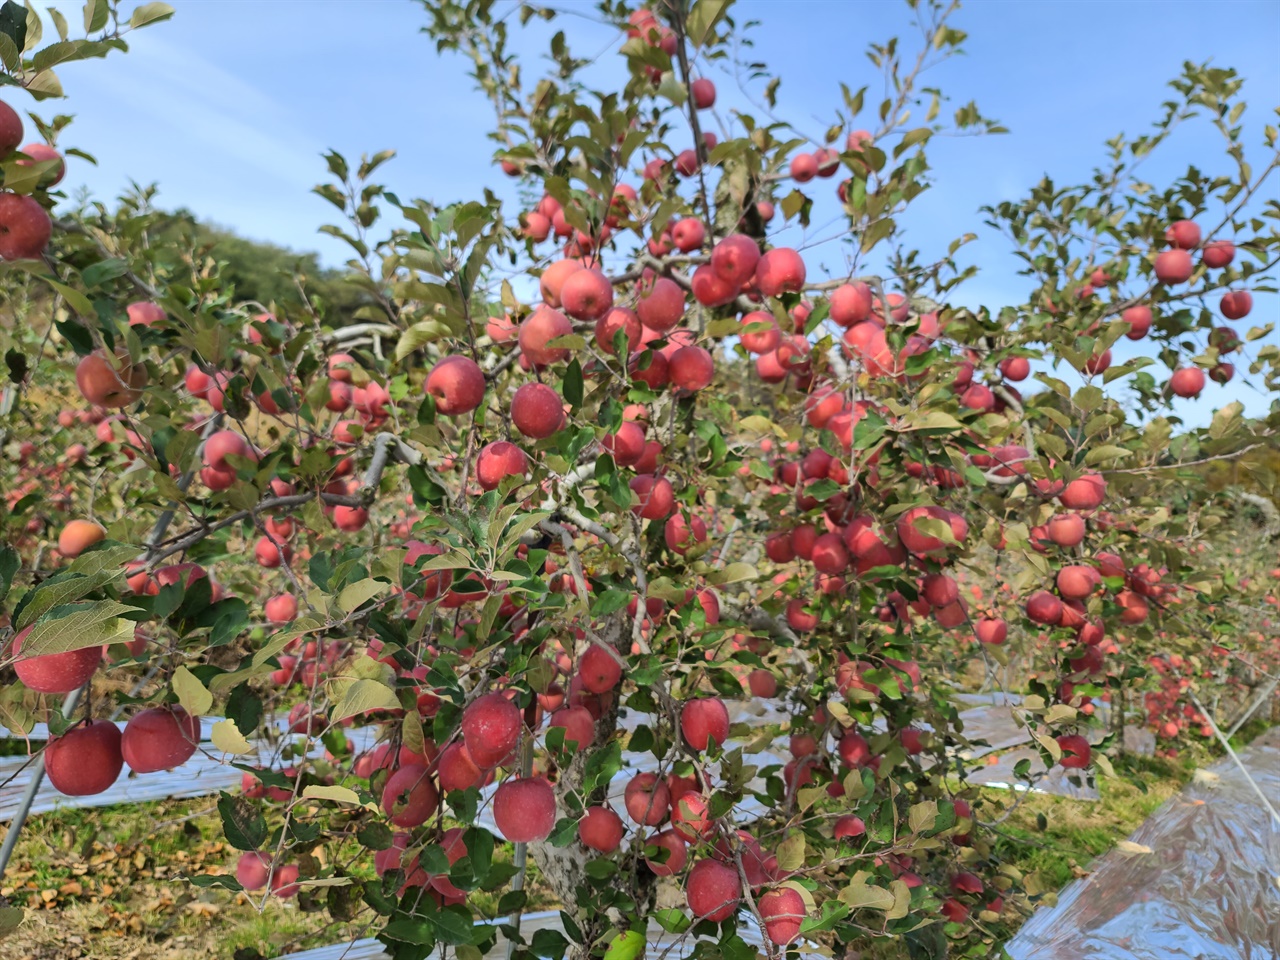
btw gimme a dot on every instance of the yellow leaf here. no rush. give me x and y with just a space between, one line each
791 852
336 794
859 894
193 696
922 816
227 738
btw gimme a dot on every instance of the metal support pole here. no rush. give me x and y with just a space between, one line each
33 787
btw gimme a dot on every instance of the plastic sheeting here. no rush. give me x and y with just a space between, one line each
1208 889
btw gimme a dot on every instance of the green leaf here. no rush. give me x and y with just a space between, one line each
732 573
419 335
573 384
77 626
363 696
44 85
703 18
10 562
859 895
877 232
242 823
149 13
95 15
625 946
281 640
13 24
355 595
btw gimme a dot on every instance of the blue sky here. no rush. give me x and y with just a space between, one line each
229 105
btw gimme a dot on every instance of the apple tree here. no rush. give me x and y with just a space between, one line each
616 525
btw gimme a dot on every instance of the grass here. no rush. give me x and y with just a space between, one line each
1056 838
106 884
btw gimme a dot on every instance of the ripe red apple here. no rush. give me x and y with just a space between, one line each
850 304
681 532
586 295
760 333
54 672
704 93
1044 607
106 385
704 721
1187 382
1066 529
804 167
1078 581
654 498
499 460
1173 266
676 853
144 313
647 799
553 278
1016 369
252 870
688 234
160 738
25 227
271 555
691 817
457 769
1217 254
600 829
1075 751
538 330
1236 304
661 305
1184 234
222 444
762 683
599 671
654 375
713 890
10 129
283 882
491 728
783 911
457 383
734 259
622 319
939 589
78 536
922 544
1084 493
627 445
537 411
282 608
409 797
578 726
524 809
1139 319
829 554
691 369
85 760
779 271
